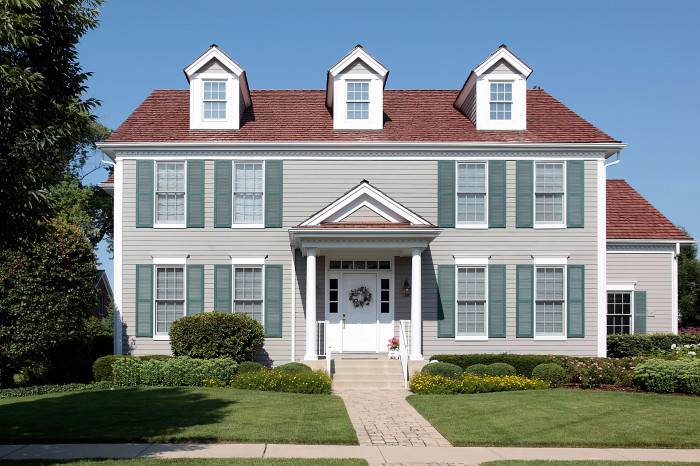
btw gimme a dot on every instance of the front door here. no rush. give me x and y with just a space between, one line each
359 329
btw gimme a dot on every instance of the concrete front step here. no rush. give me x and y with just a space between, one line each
368 385
367 373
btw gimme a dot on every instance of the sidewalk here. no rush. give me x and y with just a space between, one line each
375 455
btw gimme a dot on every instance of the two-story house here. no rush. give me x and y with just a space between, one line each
474 220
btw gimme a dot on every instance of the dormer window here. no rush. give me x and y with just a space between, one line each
214 100
501 102
358 100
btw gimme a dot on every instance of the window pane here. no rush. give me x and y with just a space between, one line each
619 317
247 293
248 195
549 318
549 178
471 301
550 283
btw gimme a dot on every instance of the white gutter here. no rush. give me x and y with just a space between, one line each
615 162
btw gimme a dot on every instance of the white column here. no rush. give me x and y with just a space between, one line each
311 351
416 314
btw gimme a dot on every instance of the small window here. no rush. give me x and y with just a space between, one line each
385 296
471 301
101 305
549 193
619 313
549 301
333 295
358 100
214 100
471 193
248 193
170 193
170 297
501 101
248 291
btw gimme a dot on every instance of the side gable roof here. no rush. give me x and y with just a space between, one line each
630 216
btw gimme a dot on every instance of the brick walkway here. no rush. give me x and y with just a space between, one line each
384 417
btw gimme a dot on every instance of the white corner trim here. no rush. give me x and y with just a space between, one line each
620 286
550 259
602 330
247 260
461 259
118 256
170 259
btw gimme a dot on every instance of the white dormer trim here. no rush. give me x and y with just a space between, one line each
474 98
336 90
364 195
237 91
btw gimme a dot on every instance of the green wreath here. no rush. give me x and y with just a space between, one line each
360 297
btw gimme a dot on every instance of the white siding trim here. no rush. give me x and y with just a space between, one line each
477 261
554 259
118 257
602 263
251 260
620 286
674 290
169 259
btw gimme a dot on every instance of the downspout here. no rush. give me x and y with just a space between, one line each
294 302
615 162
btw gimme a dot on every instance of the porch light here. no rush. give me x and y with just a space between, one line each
406 288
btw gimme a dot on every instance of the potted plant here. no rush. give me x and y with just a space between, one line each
393 348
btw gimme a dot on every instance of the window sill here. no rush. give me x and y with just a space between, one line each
169 225
550 338
548 226
472 338
161 338
248 225
473 226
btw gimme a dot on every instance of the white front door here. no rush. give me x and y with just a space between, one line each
360 323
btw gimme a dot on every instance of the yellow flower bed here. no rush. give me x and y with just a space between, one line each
426 384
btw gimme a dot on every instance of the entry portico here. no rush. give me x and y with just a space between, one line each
359 235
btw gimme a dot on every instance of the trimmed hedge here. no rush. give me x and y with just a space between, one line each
44 389
429 384
554 373
182 371
664 376
444 369
523 363
498 369
281 381
477 369
102 368
250 366
215 334
292 368
627 346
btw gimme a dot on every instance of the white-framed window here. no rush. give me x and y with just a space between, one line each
620 319
248 194
549 193
170 192
471 302
550 301
248 291
358 100
169 297
214 100
471 193
500 100
101 305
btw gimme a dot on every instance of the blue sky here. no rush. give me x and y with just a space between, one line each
628 67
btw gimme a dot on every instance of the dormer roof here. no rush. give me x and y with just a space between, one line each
358 53
215 53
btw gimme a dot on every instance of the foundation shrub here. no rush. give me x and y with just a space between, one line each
102 368
627 346
282 381
292 368
444 369
664 376
250 366
523 363
499 368
172 372
215 334
431 384
477 369
594 372
553 373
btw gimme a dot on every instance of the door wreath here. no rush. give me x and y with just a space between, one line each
360 297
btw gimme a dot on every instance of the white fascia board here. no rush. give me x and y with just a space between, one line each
382 236
213 52
503 54
649 242
359 53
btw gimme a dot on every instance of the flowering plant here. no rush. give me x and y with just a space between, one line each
360 297
393 344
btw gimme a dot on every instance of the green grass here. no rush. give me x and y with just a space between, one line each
203 461
571 418
584 463
182 414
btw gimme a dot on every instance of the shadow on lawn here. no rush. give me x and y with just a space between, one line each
123 415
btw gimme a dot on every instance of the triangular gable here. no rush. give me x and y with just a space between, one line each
361 199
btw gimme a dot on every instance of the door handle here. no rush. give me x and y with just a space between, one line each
343 320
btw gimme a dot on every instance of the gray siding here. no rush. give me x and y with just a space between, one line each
357 68
653 273
214 65
469 105
502 67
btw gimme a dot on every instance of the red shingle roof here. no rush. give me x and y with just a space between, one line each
301 116
630 216
110 179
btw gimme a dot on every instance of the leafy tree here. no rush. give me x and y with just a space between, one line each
46 296
689 285
43 116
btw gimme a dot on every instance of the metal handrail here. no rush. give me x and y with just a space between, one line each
403 350
323 344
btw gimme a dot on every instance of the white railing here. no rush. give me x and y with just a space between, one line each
404 345
323 346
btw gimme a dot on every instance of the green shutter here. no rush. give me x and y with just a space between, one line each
223 194
273 301
524 175
144 300
524 313
446 301
497 301
574 194
195 289
222 288
576 316
446 194
195 194
144 194
497 194
640 312
273 194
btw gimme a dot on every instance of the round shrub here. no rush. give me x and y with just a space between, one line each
657 375
553 373
498 369
250 366
292 368
477 369
211 335
444 369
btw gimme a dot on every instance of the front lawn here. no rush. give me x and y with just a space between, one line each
181 414
570 418
200 461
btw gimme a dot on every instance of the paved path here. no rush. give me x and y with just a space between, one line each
384 417
375 455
